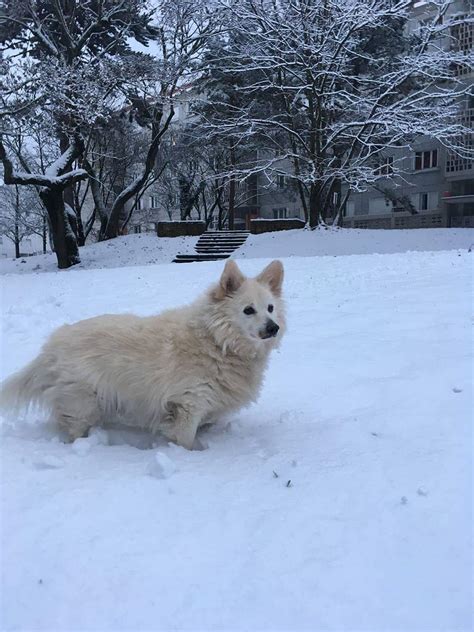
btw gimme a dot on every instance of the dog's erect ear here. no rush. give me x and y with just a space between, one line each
230 281
272 275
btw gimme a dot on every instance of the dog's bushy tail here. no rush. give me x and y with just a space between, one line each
25 388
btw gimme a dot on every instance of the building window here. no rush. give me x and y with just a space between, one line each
463 36
154 201
280 213
386 167
280 181
426 159
139 204
423 201
350 208
380 206
172 199
455 162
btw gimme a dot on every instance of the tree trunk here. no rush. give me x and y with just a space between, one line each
219 215
206 211
17 222
99 208
232 191
339 219
111 227
81 238
314 206
45 234
302 195
68 192
231 213
103 228
183 197
64 239
210 213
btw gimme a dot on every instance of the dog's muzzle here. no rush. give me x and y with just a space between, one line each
271 330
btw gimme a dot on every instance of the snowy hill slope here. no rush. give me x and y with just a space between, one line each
131 250
366 409
147 249
337 242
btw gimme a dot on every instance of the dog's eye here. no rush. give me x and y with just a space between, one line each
270 308
249 310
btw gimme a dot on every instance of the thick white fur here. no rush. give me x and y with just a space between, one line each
168 373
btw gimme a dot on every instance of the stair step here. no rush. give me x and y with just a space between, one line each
230 246
199 257
220 244
214 252
224 237
213 240
214 246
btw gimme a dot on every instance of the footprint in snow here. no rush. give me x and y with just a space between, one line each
49 462
160 466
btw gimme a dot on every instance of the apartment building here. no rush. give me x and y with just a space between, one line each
437 188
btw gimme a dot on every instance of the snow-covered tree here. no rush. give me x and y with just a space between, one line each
67 76
344 83
217 121
20 214
184 29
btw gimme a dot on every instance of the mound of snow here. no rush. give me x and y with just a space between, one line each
130 250
344 241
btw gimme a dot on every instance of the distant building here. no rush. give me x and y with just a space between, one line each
262 196
438 187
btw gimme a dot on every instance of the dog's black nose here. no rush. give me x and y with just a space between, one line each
272 328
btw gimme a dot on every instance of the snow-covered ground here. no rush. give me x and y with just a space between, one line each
327 242
132 250
147 248
342 500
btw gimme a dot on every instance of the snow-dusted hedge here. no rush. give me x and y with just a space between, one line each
258 226
180 229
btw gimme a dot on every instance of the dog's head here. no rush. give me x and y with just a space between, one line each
253 307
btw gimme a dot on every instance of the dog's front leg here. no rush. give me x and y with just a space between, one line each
185 427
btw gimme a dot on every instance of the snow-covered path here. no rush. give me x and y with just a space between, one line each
366 409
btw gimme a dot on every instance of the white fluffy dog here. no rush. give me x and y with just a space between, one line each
168 373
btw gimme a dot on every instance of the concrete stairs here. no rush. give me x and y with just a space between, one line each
212 246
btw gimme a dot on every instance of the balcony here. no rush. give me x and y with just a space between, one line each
457 166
